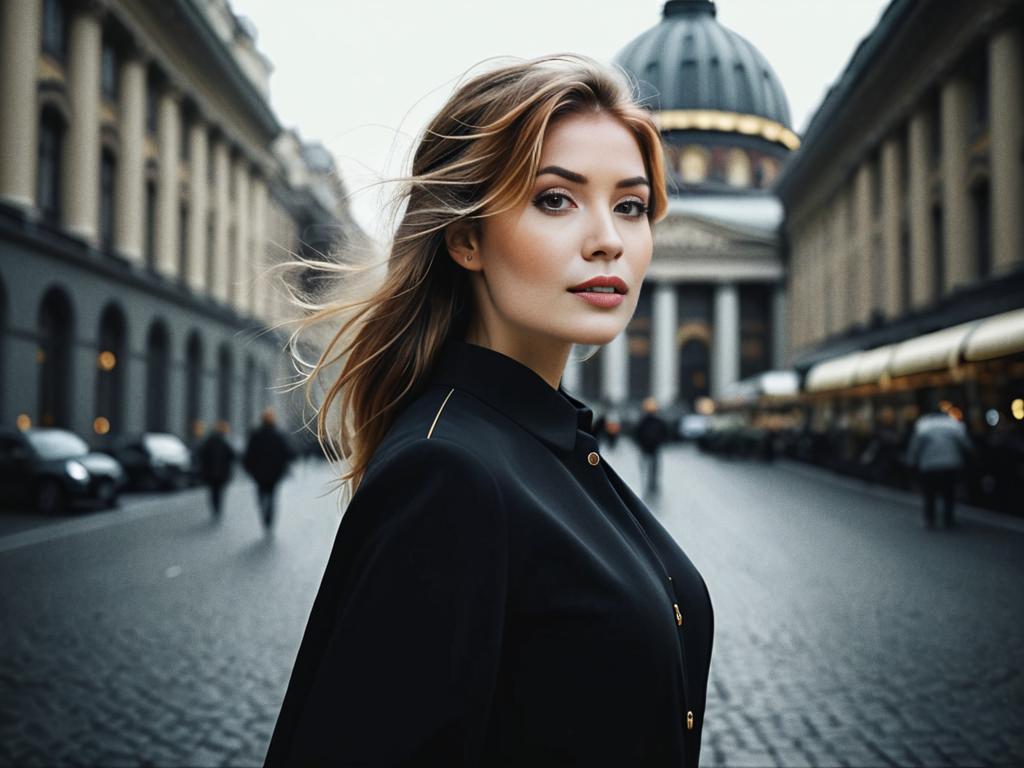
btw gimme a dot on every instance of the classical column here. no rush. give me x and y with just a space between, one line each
892 196
780 343
726 338
921 265
168 129
959 251
615 370
81 178
131 184
198 203
1006 132
841 257
863 271
241 280
222 214
20 25
258 225
664 360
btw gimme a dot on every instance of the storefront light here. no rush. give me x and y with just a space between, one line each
106 360
1017 409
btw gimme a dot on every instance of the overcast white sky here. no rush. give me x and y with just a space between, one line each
364 77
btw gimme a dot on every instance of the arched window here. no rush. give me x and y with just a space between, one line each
158 363
193 385
108 175
693 164
49 165
738 168
53 356
225 374
110 365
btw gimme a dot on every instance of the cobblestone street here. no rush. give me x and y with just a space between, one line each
845 633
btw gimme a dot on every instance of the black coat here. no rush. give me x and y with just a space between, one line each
497 596
267 455
215 459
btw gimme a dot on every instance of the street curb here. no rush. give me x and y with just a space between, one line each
974 514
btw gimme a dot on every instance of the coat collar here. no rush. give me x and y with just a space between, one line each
514 389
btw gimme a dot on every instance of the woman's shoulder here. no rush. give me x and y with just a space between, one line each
450 424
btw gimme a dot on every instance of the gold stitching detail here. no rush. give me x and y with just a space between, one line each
438 416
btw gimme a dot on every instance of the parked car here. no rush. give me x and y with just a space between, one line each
153 461
693 426
53 470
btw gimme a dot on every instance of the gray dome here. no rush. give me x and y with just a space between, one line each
690 61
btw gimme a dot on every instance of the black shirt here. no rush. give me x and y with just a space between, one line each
497 596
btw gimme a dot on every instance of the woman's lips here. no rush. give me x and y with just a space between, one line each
599 299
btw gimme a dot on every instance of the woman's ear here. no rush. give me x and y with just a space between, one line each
463 240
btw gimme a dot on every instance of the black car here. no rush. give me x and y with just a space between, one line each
53 470
154 461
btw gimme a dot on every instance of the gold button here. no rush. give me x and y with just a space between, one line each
593 458
689 720
679 616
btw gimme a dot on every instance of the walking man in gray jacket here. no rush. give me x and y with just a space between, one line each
938 450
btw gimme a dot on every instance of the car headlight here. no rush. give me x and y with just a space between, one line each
77 471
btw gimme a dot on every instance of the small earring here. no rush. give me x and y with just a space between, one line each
469 258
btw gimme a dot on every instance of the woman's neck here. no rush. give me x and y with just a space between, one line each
545 357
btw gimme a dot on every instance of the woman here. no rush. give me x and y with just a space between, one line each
496 595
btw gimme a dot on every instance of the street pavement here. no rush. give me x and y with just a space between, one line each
845 634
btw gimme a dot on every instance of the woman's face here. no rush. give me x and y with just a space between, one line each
585 218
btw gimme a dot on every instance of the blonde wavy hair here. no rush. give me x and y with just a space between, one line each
477 157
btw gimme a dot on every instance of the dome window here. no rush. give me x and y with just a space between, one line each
738 172
693 164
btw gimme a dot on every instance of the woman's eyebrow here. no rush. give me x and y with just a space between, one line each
579 178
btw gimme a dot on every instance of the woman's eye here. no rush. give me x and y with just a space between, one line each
553 201
632 208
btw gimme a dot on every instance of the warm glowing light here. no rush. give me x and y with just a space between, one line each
705 406
727 122
106 360
40 355
23 422
100 425
1017 409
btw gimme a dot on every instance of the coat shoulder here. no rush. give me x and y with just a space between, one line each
452 424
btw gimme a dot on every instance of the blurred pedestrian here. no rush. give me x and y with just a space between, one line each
938 450
651 432
216 458
266 458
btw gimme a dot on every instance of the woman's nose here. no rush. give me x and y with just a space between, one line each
604 241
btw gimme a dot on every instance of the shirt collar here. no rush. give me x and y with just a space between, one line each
514 389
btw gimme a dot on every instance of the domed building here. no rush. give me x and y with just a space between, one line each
711 309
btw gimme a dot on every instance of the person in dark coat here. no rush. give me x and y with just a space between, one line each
267 456
215 458
651 431
939 448
496 595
